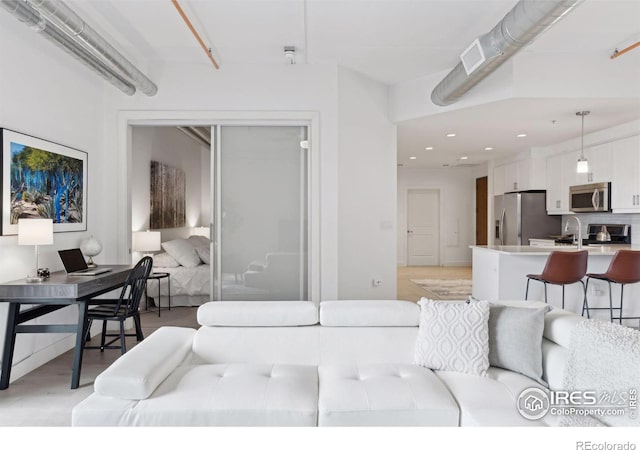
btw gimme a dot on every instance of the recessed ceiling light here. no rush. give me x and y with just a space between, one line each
488 148
428 148
522 135
413 157
464 157
451 135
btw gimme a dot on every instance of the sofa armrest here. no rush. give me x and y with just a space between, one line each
137 373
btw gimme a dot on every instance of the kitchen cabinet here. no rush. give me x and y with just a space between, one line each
599 158
625 182
516 176
498 180
561 174
557 198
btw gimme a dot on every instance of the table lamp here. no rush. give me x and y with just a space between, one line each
146 242
35 232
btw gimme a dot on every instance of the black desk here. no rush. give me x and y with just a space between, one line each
57 292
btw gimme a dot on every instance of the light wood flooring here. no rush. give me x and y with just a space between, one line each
43 397
407 290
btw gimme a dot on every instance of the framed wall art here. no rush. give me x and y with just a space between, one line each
42 180
167 209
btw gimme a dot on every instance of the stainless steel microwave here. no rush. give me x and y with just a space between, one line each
595 197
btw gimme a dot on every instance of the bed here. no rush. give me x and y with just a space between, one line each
188 263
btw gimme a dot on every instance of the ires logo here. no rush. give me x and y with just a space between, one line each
535 403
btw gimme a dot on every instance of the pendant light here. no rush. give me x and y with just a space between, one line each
583 164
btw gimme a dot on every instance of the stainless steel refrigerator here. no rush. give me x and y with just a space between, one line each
520 216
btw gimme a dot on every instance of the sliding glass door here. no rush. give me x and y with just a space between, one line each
260 206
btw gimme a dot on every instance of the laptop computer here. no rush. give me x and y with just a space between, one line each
75 264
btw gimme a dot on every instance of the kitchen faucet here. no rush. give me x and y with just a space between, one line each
566 227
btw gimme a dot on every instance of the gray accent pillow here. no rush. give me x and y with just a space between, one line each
515 339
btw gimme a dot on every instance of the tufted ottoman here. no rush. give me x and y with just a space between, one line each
383 395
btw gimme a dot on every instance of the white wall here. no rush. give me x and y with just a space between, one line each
367 189
457 210
172 147
48 94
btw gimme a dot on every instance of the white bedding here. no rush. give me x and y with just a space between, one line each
190 286
191 281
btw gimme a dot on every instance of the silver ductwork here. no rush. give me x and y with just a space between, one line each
527 20
63 16
101 57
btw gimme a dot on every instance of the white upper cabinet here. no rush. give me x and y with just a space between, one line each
599 158
556 201
625 180
498 180
518 176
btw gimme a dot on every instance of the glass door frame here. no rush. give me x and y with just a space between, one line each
216 199
311 119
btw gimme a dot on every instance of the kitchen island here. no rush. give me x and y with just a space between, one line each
500 273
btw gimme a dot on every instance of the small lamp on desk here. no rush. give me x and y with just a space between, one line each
146 242
35 232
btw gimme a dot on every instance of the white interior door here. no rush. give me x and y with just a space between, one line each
423 227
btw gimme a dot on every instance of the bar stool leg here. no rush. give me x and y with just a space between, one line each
610 303
563 296
526 293
545 293
621 298
585 303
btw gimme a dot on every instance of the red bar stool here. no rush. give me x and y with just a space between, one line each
624 268
562 268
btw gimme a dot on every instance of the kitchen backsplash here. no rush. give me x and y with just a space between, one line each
588 218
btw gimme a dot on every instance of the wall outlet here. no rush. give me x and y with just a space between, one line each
376 282
597 291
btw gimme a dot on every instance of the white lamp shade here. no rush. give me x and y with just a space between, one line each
583 166
91 247
146 241
201 231
35 232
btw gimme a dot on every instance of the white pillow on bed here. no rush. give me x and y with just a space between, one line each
164 260
204 253
182 251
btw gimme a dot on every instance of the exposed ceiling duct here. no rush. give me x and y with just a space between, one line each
525 22
201 134
58 23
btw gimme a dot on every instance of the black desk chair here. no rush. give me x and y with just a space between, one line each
127 305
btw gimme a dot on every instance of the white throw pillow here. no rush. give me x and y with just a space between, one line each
453 336
204 253
198 241
182 251
164 260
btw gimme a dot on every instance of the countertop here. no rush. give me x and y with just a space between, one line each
595 250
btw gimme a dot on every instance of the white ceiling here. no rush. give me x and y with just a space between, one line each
391 41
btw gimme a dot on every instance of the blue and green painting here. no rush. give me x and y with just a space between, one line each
45 185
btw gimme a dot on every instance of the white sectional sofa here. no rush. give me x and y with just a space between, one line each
289 363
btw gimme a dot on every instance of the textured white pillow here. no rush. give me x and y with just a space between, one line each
182 251
164 260
453 336
204 253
